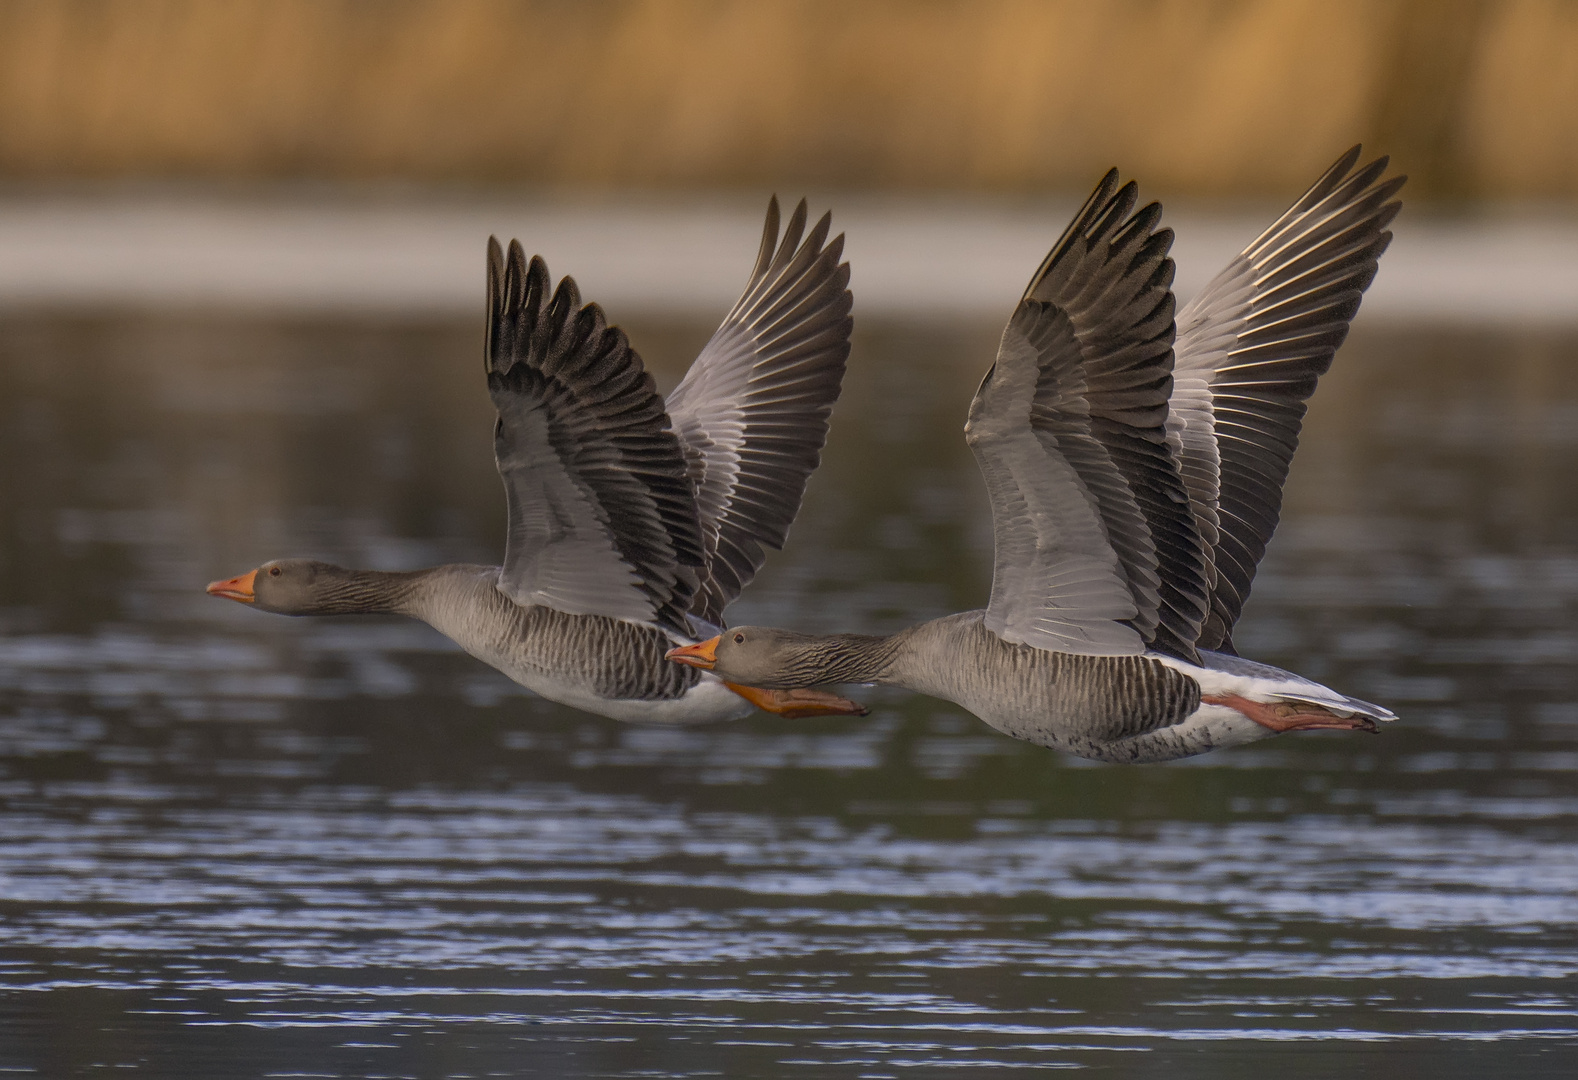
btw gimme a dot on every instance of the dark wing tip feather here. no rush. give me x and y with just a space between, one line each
1369 174
1099 198
495 314
817 238
834 253
1118 207
764 254
792 233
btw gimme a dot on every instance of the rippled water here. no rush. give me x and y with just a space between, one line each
240 845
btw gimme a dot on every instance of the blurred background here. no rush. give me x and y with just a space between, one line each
348 153
241 274
1474 98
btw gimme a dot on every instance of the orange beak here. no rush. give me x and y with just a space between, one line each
703 654
236 588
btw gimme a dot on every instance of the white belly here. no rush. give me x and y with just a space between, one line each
708 702
1220 727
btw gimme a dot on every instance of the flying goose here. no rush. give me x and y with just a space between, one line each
1135 482
632 522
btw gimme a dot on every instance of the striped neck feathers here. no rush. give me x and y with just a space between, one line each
308 587
784 660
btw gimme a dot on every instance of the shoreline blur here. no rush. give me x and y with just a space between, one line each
418 255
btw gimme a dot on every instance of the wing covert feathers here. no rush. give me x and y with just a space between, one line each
1096 548
602 518
752 411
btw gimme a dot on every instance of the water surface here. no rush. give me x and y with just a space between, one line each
242 845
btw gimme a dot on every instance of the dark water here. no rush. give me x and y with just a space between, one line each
240 845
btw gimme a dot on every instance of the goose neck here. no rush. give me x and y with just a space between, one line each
371 592
855 658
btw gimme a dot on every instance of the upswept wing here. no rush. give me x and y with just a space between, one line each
602 519
752 412
1095 548
1250 349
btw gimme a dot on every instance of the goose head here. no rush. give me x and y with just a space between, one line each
297 587
763 656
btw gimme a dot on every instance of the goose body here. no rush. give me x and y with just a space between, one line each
633 521
1135 463
590 662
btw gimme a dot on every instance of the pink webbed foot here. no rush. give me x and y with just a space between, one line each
1282 716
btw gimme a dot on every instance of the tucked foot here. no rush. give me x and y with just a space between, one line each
1281 716
798 704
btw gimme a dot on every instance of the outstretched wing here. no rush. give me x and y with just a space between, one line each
1096 550
1250 349
752 411
602 519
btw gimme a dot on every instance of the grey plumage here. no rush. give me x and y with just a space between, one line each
1250 349
1031 693
601 657
627 529
752 411
626 507
622 506
613 667
1057 581
602 517
1132 495
1181 453
1096 551
1111 708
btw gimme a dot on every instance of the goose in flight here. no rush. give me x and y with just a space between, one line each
633 522
1135 480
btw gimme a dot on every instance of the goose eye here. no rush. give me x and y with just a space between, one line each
273 571
739 639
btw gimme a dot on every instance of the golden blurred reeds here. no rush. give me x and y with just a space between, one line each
1472 97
